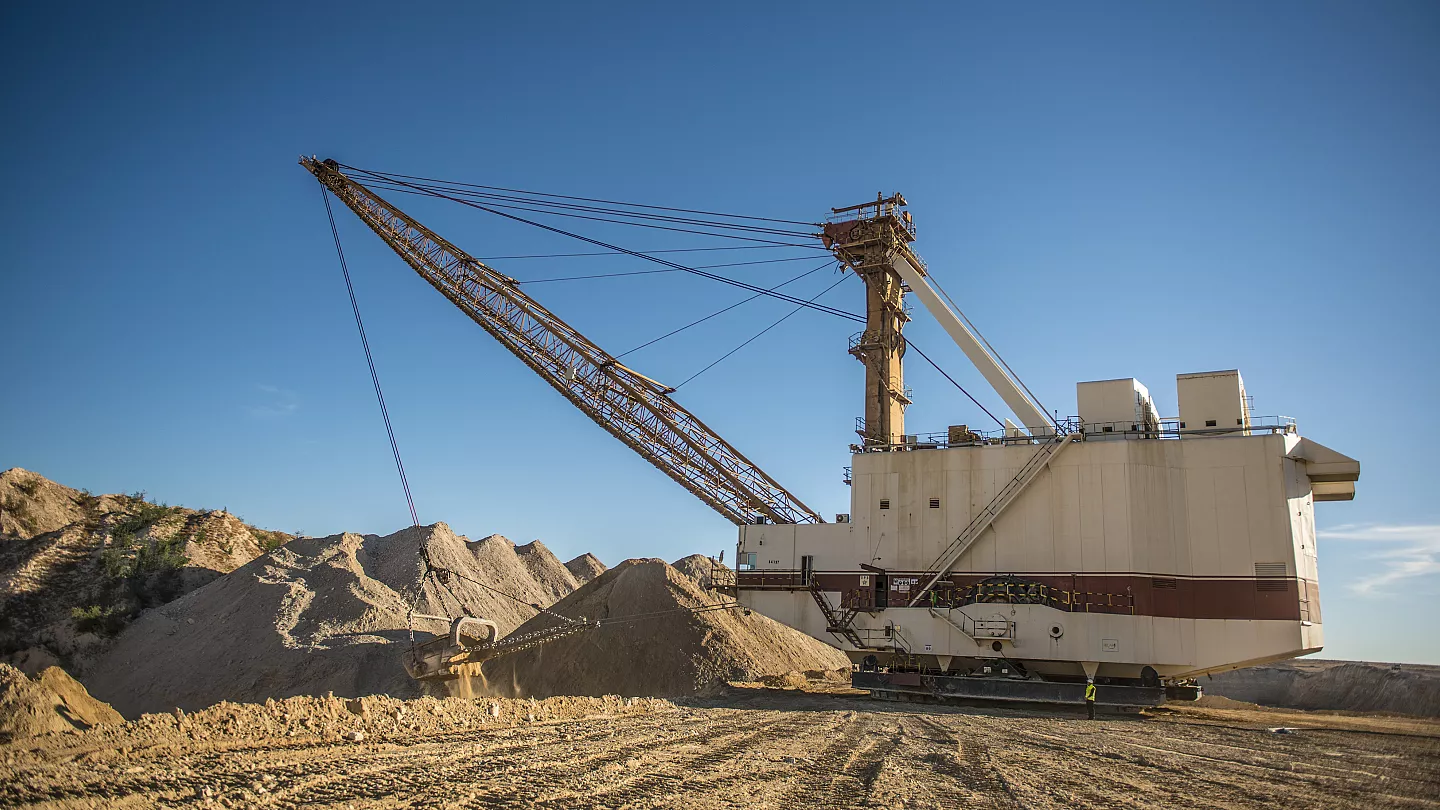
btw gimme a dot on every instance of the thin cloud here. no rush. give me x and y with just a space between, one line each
1406 551
278 402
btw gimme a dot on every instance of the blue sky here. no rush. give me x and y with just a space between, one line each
1123 189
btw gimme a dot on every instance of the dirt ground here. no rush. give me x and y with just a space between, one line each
751 747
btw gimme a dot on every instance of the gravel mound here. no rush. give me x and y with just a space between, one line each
667 650
52 702
699 568
547 570
1351 686
316 616
585 567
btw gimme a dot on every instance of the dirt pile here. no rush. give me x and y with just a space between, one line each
585 567
380 717
75 568
318 615
699 568
1352 686
652 642
52 702
547 570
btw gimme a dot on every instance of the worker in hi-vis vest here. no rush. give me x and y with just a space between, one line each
1090 697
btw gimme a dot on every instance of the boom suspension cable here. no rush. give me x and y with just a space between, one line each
665 262
718 311
619 253
666 270
581 199
757 335
403 185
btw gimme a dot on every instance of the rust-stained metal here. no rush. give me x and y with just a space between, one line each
462 653
633 408
867 238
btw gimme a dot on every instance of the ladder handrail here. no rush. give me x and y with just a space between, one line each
982 521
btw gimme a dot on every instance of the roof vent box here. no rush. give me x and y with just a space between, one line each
1213 398
1116 406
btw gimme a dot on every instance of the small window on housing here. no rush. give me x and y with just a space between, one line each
884 503
934 503
746 561
1209 423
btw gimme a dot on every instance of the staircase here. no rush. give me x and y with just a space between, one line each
977 630
837 622
982 520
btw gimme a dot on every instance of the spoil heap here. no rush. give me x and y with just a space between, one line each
699 568
666 651
53 701
546 569
585 567
319 615
76 567
1318 684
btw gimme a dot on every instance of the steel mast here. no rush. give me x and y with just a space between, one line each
867 238
630 406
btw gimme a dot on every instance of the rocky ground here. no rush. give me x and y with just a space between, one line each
823 746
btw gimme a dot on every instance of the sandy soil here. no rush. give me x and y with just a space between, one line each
753 747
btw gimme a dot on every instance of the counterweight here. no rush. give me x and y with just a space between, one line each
630 406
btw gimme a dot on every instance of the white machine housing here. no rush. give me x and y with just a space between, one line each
1184 551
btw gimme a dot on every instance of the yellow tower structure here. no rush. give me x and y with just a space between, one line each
868 238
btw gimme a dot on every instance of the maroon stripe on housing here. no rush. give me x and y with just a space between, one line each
1288 599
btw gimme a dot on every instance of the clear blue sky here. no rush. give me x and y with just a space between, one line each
1123 189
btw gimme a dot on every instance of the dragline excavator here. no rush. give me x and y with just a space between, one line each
1116 547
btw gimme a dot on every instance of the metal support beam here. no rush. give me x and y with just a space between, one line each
1000 379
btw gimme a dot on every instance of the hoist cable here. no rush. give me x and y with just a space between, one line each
718 311
370 360
757 335
583 199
